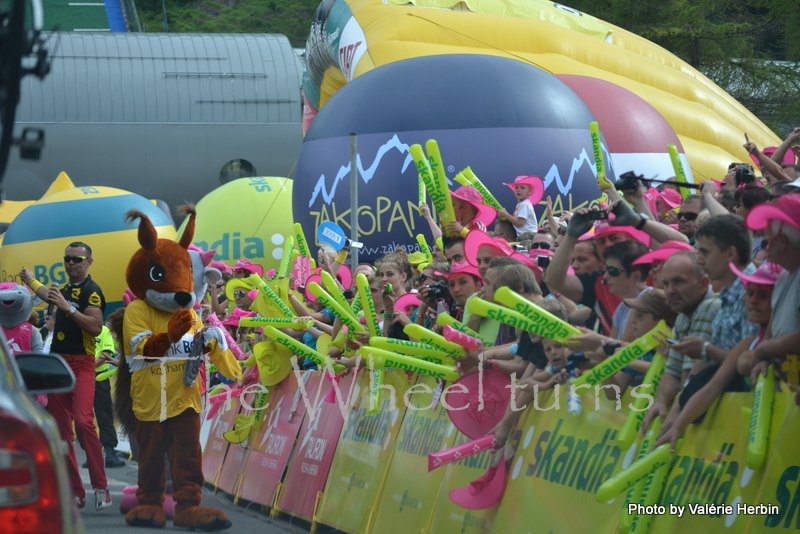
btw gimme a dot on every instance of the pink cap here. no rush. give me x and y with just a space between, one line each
671 198
249 266
786 208
462 267
667 249
485 491
537 187
605 228
788 158
486 213
766 275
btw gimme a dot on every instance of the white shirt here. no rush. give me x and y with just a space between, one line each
525 211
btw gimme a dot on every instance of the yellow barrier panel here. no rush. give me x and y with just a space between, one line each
409 498
363 455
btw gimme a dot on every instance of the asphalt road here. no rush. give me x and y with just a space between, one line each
111 521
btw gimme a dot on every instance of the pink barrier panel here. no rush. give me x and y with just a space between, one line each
216 446
235 460
311 462
273 444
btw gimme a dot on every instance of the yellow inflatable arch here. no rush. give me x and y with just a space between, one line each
351 37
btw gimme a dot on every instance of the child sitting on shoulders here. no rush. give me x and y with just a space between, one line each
529 190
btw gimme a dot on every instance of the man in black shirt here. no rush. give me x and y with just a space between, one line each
79 308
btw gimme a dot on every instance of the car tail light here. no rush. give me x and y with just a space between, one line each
29 499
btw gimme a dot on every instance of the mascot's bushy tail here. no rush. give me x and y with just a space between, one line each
123 403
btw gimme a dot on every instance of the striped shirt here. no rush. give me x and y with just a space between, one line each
699 324
731 325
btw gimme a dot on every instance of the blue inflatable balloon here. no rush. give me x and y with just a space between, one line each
500 116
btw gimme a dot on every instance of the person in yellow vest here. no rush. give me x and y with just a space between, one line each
106 367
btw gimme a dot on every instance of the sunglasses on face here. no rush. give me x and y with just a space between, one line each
614 272
687 215
241 271
74 259
543 246
239 294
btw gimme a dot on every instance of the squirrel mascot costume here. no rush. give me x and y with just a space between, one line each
158 393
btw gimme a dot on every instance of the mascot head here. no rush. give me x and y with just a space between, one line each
16 304
160 273
203 274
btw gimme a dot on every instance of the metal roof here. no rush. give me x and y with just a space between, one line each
166 78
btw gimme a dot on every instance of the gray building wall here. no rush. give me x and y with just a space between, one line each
160 114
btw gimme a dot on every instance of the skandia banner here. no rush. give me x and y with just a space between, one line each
271 447
363 454
319 434
409 496
563 458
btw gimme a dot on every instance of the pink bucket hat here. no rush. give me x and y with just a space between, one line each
537 187
486 214
766 275
407 303
476 239
788 158
671 198
462 267
667 249
464 408
249 266
605 228
786 209
485 491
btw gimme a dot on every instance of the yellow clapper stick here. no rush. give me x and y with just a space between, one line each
597 149
633 421
680 173
440 198
760 419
